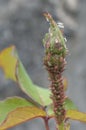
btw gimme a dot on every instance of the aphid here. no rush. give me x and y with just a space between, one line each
65 39
60 25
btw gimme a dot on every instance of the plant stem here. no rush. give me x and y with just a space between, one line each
54 61
61 127
46 123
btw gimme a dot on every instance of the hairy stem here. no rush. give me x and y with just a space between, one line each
54 61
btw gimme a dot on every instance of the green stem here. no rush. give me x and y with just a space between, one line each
61 126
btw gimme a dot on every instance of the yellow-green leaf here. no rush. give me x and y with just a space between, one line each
10 104
8 62
76 115
17 110
13 68
20 115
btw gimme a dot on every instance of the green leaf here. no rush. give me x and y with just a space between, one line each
26 84
69 105
76 115
44 95
16 110
38 94
13 68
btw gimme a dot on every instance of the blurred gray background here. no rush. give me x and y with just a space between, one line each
22 24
